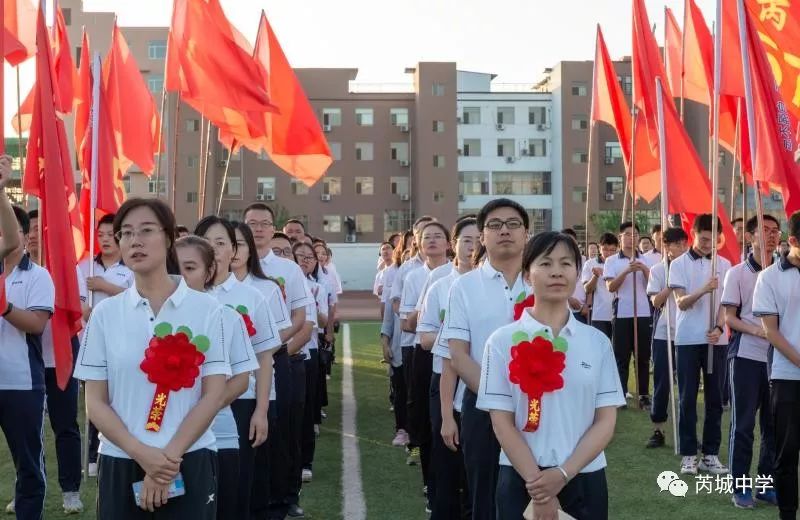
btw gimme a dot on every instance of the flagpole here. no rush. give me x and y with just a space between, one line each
748 102
665 257
225 177
589 183
174 174
736 152
19 135
160 139
205 169
683 52
635 313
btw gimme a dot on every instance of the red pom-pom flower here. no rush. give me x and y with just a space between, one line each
251 330
536 366
521 305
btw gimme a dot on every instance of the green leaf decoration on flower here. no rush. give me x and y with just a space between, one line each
521 297
441 315
281 281
202 343
241 309
560 344
186 330
543 334
162 330
519 336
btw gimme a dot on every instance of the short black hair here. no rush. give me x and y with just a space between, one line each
609 239
182 229
674 235
628 224
752 222
468 215
571 232
704 222
494 204
655 229
461 224
295 221
23 219
34 213
544 243
260 206
737 219
646 238
108 218
284 236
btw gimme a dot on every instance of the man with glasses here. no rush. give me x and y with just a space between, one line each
277 263
480 302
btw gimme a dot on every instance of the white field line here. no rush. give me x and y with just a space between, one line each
353 505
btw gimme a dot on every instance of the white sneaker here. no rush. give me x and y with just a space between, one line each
628 395
316 430
93 469
10 508
400 438
72 503
307 475
712 464
689 465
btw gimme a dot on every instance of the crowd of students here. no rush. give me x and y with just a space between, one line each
205 358
509 356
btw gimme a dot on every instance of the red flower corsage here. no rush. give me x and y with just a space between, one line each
242 310
172 362
281 283
536 366
522 304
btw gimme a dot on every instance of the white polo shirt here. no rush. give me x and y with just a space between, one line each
602 301
47 336
390 273
691 272
117 273
337 280
322 305
432 313
291 279
328 279
613 267
656 284
116 337
775 294
740 283
241 357
413 286
591 381
28 287
311 317
402 272
653 256
480 302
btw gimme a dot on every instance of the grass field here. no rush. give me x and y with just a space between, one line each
393 490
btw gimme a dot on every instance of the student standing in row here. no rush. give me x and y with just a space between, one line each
601 312
747 360
675 240
552 442
481 302
146 437
774 301
693 284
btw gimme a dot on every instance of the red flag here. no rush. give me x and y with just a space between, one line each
83 102
134 116
609 106
773 126
698 63
673 49
48 175
20 31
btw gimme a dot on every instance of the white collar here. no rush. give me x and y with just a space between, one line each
134 299
569 329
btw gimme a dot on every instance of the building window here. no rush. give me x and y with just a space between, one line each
471 116
233 215
438 127
437 89
365 185
395 220
336 150
579 88
521 183
580 122
191 161
363 151
332 185
364 117
157 49
438 161
399 151
332 116
67 12
537 115
505 115
192 125
126 182
579 194
472 148
332 223
365 223
541 220
613 151
398 116
398 185
580 157
156 187
537 147
78 52
191 196
615 186
505 147
626 82
233 187
265 188
298 187
155 82
721 193
438 196
474 183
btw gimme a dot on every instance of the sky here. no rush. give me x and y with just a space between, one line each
515 39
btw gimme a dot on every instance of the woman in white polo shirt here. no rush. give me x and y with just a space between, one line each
149 391
198 268
555 416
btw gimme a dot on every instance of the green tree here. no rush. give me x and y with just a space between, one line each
281 215
609 221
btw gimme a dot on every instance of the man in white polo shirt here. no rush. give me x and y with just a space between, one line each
693 283
626 276
480 302
601 312
775 302
747 362
28 305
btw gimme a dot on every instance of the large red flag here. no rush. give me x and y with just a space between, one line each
20 31
698 64
673 48
83 101
134 116
48 175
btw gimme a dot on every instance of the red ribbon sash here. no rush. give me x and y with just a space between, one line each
157 409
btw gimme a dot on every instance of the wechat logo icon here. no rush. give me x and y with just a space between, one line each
669 481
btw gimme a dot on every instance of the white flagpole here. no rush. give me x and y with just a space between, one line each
664 257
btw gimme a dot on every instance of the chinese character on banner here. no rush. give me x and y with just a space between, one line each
774 11
704 483
724 484
763 483
744 483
